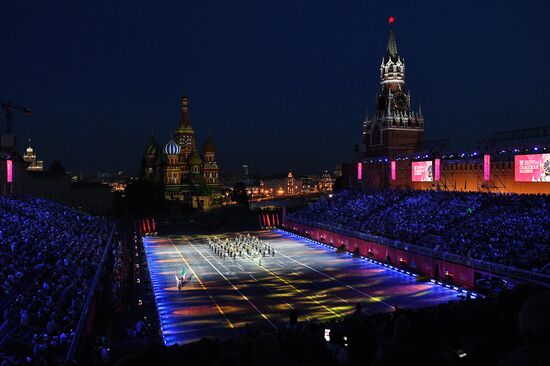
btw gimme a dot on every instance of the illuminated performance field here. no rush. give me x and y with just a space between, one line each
223 295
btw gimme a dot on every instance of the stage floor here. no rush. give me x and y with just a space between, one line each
224 295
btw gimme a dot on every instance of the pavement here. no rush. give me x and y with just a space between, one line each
223 296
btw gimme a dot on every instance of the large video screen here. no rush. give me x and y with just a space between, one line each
422 171
532 168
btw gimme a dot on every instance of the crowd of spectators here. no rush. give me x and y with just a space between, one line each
511 328
508 229
49 254
117 274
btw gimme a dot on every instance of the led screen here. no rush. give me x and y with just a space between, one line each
422 171
532 168
393 174
359 171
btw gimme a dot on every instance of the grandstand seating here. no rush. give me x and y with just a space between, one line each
506 229
49 255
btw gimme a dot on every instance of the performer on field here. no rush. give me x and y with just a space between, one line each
179 281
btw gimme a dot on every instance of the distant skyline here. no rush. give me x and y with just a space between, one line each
281 85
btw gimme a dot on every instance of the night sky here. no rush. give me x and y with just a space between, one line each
281 84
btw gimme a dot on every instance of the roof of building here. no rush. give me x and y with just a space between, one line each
209 145
185 122
172 148
194 159
30 150
152 147
391 49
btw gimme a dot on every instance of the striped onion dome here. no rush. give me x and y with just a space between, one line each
172 148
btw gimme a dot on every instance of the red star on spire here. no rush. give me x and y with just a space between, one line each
391 19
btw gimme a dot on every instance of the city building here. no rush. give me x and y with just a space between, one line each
29 157
326 183
183 173
290 184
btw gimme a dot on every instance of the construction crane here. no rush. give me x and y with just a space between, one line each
7 108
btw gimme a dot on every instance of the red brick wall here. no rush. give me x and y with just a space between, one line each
455 176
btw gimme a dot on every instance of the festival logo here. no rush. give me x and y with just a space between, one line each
422 171
532 168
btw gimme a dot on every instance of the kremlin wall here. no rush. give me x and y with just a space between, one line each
466 174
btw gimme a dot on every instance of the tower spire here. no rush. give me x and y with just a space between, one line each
185 121
391 50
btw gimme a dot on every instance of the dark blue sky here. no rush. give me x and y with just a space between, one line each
281 84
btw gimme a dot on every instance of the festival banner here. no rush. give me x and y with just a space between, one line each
532 168
422 171
9 170
486 167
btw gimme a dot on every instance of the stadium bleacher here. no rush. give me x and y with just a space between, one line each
49 255
507 229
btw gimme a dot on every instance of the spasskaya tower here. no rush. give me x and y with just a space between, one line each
394 128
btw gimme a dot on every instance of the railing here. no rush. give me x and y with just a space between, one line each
84 314
494 268
4 333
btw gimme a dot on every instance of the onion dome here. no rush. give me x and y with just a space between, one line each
152 148
209 145
172 148
195 159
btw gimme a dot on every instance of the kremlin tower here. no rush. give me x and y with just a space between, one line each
394 128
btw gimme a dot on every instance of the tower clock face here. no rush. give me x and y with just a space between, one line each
400 101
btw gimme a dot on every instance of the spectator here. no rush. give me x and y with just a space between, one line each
507 229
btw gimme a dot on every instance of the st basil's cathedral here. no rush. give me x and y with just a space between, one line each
180 170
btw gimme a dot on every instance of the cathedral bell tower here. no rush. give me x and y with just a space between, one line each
184 134
394 128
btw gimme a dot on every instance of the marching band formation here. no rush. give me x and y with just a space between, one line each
241 246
